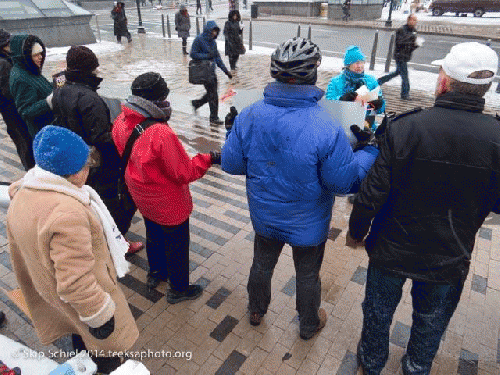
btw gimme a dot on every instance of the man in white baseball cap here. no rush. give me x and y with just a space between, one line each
422 203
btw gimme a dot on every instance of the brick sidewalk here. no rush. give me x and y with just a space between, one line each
215 328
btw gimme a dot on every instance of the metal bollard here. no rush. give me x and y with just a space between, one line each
168 28
498 88
298 31
197 26
250 37
163 24
374 51
389 54
309 31
98 29
204 23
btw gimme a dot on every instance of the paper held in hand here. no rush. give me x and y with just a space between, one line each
367 95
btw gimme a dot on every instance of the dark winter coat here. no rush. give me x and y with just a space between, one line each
6 101
233 33
120 21
78 107
435 181
204 47
406 38
28 86
182 22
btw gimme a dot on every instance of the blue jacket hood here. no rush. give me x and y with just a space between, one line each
209 27
287 95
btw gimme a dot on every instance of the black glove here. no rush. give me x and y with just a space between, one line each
104 331
376 104
229 120
176 29
215 156
349 96
364 137
229 75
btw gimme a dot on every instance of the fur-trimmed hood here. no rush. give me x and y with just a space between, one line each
21 46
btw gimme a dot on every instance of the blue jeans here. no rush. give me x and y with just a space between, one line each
168 252
402 70
307 262
433 307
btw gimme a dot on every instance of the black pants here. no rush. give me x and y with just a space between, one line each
198 7
307 261
18 132
184 44
168 252
211 97
233 59
105 365
128 35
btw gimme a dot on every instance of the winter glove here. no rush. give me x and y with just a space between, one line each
229 120
104 331
229 75
215 156
349 96
49 100
176 29
376 104
364 137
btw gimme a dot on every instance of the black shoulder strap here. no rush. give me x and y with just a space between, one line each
136 133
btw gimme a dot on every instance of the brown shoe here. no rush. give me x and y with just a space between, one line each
322 322
255 318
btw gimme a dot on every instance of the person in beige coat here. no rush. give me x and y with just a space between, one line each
67 253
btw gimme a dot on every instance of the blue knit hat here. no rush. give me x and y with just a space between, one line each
59 150
352 55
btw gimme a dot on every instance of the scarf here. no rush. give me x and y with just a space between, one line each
353 81
40 179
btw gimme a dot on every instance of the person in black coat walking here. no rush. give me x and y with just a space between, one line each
406 43
79 108
16 127
430 190
182 26
234 40
198 6
120 22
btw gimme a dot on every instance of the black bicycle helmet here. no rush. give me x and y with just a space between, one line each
296 61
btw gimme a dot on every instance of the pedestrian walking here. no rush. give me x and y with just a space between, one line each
232 5
428 193
158 173
182 26
66 252
210 5
79 108
16 127
346 10
406 43
32 92
143 3
120 22
353 76
198 6
291 187
234 38
205 48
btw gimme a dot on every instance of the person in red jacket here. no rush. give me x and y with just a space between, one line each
158 174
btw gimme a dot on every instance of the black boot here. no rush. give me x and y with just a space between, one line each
184 50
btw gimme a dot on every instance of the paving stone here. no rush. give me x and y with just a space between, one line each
333 233
468 363
359 275
192 266
237 216
215 222
232 364
203 233
400 335
139 287
203 282
200 203
479 284
485 233
349 365
136 312
224 328
138 261
5 259
220 296
290 287
250 236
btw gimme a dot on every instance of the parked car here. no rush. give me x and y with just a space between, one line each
476 7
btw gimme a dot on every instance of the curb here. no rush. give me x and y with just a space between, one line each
315 21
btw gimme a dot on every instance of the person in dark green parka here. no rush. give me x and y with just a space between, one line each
32 92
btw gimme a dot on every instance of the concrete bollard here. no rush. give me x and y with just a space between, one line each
298 31
250 37
197 26
374 51
163 24
309 31
389 54
168 28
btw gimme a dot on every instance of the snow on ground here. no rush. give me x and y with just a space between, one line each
101 48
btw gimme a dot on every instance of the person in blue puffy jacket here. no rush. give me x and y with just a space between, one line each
353 76
295 158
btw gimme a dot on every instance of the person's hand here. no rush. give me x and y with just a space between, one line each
361 100
364 137
215 156
349 96
351 242
229 120
104 331
229 75
376 104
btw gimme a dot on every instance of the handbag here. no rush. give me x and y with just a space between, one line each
201 72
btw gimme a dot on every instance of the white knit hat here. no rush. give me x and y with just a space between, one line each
37 48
